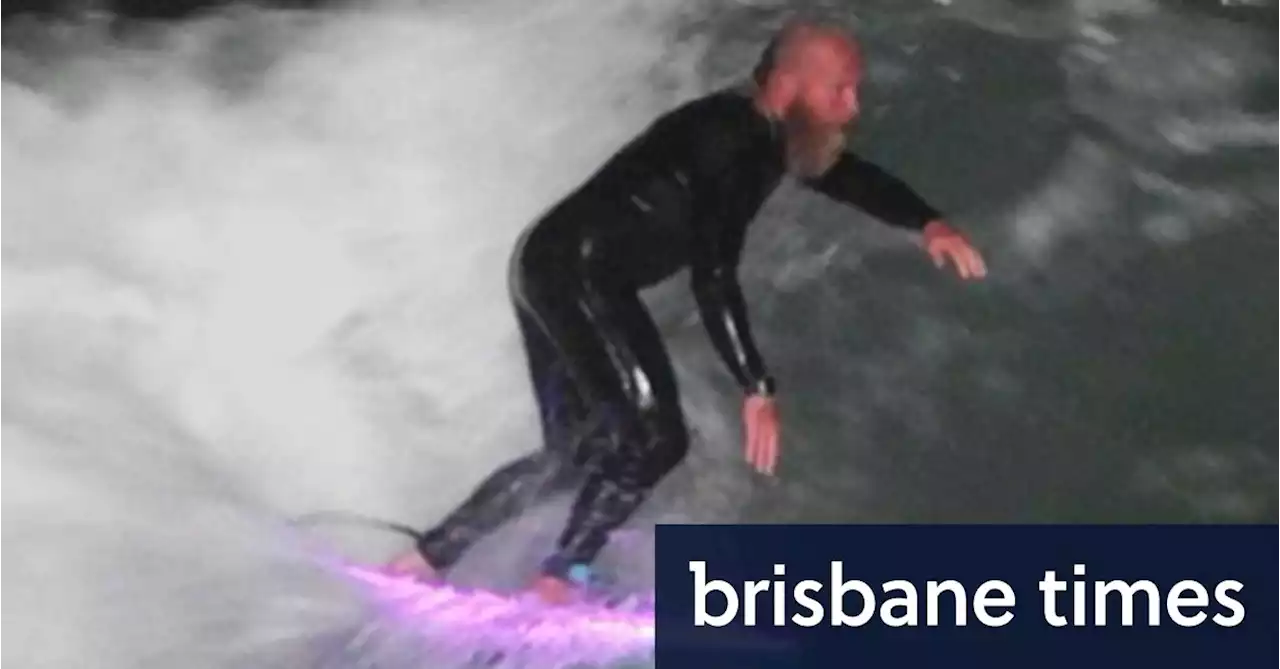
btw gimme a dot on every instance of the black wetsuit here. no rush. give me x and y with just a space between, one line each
680 195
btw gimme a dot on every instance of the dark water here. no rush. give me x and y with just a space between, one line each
1112 367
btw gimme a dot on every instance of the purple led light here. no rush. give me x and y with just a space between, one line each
517 627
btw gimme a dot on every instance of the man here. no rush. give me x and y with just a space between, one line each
680 195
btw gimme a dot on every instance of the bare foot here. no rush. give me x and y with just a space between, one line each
554 590
414 565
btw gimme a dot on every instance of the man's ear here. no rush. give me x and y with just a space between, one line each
790 85
782 91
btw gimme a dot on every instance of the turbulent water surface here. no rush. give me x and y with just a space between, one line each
254 267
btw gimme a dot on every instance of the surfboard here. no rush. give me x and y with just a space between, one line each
604 626
518 627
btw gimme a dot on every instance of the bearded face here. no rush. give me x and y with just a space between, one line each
813 144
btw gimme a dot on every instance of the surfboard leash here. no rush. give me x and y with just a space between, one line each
347 518
584 431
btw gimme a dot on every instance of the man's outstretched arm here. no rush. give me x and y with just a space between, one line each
858 182
865 185
719 231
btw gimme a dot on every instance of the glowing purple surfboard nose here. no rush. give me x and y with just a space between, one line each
520 628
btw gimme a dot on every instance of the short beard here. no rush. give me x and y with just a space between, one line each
811 148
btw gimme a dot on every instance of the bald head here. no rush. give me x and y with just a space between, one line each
803 47
812 64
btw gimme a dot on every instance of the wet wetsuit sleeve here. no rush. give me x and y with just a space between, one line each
858 182
718 237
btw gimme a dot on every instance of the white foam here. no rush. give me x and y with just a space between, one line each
247 280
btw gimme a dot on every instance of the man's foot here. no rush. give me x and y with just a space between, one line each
553 590
414 565
562 590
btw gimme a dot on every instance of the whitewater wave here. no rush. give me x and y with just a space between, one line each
254 268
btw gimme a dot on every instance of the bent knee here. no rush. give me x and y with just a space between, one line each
661 448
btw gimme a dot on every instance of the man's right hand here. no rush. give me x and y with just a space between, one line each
760 415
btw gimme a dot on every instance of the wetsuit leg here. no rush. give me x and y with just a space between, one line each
617 357
526 480
561 408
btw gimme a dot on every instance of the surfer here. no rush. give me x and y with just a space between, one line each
680 195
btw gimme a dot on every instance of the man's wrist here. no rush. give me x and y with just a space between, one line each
765 386
938 228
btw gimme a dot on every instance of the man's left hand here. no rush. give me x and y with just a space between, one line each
943 242
760 415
